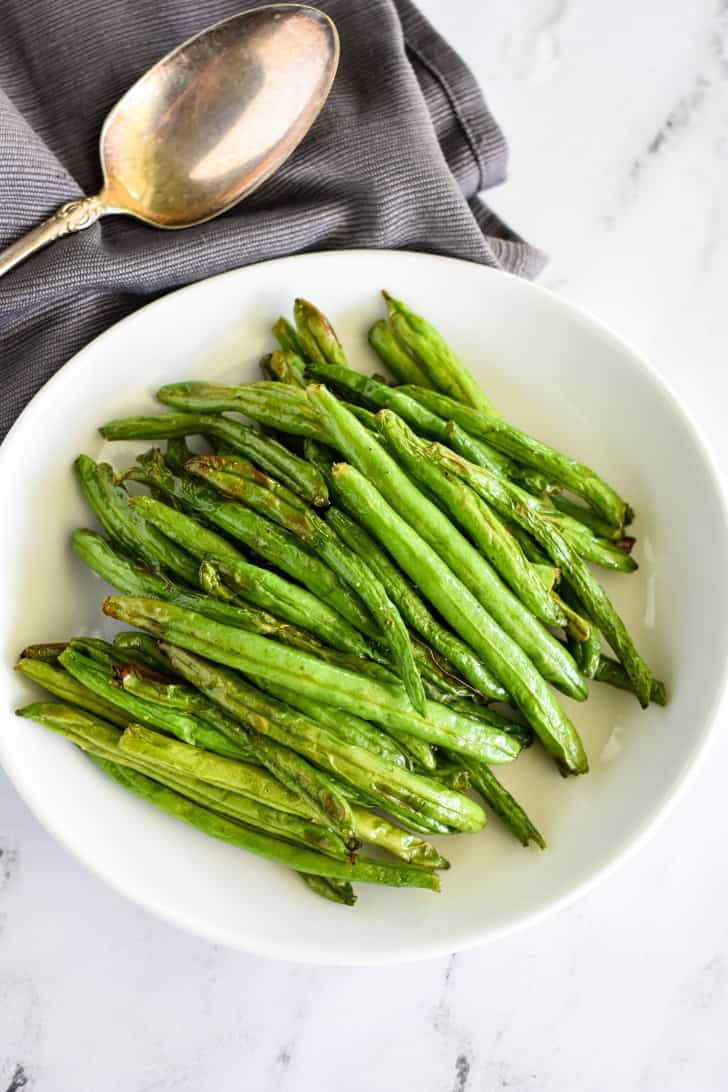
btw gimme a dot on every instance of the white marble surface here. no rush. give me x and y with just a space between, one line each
618 120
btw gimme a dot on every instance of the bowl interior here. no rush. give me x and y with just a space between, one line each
553 371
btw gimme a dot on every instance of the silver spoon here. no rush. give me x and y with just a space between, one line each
207 124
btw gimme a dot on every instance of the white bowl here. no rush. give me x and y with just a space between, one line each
553 371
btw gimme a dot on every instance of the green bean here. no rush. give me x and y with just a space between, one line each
316 334
453 775
218 733
297 603
382 397
265 589
272 457
287 337
346 726
363 415
437 672
274 544
163 757
47 652
238 790
400 747
587 516
482 454
296 857
212 583
287 367
521 732
382 703
600 552
347 565
415 610
502 803
226 773
430 425
192 718
276 405
613 673
580 479
411 819
82 727
242 468
512 503
462 610
190 729
420 752
534 585
443 368
395 357
57 681
140 648
380 832
166 691
473 571
96 649
480 523
121 574
417 749
109 502
351 763
339 891
585 652
91 734
138 749
608 554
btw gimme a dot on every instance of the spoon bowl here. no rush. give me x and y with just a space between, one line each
207 124
213 119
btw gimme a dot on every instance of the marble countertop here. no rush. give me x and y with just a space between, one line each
617 116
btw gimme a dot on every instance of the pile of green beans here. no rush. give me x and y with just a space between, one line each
346 614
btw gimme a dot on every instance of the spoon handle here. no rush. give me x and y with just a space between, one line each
71 217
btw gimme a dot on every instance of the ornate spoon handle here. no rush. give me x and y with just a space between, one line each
71 217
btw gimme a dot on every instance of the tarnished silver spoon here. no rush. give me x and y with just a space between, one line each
207 124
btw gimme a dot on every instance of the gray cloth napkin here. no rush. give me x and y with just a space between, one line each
396 159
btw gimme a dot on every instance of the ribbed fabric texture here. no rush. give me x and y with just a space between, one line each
397 158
